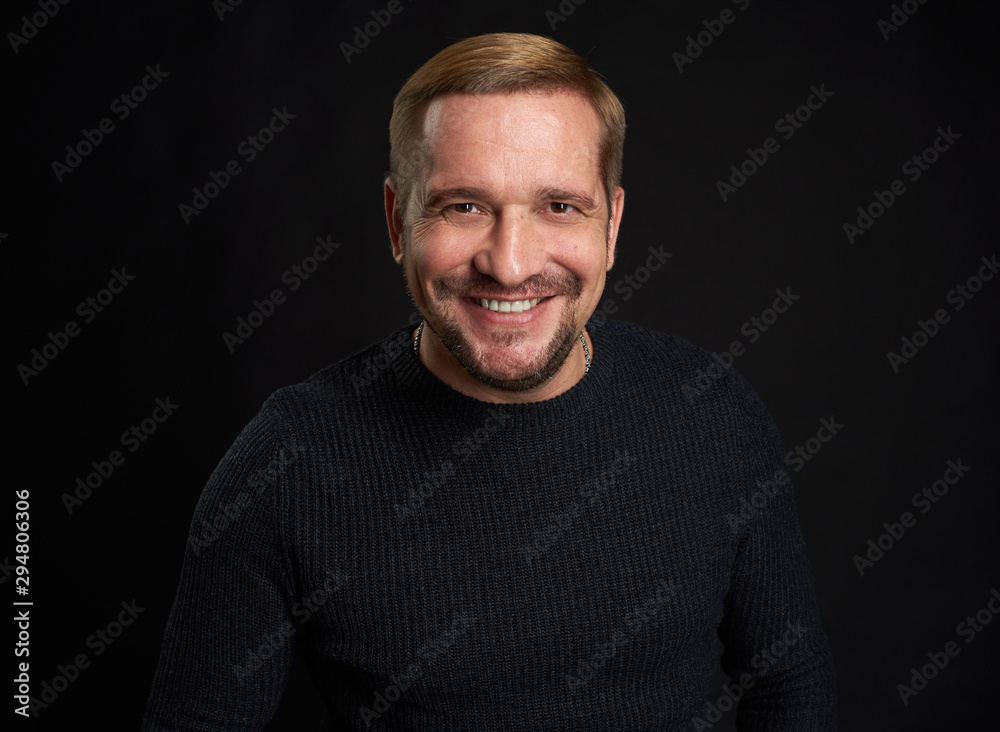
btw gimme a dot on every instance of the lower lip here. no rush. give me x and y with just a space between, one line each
498 318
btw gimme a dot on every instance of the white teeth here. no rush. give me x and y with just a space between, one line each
509 306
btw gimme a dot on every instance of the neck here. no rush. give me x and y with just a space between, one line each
438 360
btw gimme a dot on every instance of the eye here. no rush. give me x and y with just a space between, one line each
464 208
560 208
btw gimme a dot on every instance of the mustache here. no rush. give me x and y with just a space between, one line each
478 284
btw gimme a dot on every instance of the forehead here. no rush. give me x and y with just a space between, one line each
513 136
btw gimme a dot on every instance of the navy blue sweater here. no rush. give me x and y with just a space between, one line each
449 564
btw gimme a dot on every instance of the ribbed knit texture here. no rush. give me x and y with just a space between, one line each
448 564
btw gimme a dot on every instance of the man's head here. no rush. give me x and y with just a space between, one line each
500 63
504 185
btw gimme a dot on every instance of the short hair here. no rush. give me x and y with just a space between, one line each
501 63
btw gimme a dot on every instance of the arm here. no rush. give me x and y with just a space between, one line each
229 640
775 645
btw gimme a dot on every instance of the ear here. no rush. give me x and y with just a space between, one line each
614 222
394 220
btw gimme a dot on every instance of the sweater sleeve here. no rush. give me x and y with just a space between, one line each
775 647
229 639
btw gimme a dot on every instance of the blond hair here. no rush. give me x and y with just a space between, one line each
500 63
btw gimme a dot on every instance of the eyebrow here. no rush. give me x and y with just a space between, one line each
580 200
434 198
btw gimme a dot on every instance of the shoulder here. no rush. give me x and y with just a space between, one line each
629 341
352 386
665 356
693 380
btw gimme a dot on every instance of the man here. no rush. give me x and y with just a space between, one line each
525 519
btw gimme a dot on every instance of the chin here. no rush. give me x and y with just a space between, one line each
514 378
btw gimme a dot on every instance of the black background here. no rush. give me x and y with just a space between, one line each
826 357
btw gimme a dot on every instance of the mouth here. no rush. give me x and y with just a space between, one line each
508 306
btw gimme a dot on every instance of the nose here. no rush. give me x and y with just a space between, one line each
514 250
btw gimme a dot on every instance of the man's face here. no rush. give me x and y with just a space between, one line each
512 212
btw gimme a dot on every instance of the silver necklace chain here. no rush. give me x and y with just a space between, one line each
586 350
586 354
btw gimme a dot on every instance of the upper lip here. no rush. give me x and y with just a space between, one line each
509 298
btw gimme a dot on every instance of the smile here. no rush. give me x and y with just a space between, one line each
508 306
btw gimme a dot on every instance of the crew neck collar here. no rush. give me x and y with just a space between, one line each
423 387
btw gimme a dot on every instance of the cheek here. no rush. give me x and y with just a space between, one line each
436 251
586 256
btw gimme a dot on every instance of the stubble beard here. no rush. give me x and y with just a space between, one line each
445 326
